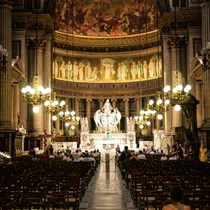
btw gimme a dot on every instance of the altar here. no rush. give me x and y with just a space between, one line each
104 141
107 135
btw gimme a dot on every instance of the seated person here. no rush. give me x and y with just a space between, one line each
164 157
173 157
141 156
176 195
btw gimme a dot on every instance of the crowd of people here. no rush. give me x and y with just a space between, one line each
177 152
67 155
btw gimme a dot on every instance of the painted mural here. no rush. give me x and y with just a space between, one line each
106 18
107 69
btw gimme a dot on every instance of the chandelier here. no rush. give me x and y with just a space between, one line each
145 117
35 95
177 95
160 107
54 106
69 118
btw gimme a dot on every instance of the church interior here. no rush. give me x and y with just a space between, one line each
96 76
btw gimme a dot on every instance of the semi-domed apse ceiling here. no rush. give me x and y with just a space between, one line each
92 25
106 18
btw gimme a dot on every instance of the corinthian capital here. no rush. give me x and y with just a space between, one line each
38 43
6 2
177 42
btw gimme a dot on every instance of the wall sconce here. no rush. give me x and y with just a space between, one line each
3 61
206 57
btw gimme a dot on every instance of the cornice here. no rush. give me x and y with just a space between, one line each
99 55
184 19
109 44
105 90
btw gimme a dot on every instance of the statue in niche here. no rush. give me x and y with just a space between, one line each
84 124
130 124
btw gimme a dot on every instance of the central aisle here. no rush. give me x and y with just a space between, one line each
107 190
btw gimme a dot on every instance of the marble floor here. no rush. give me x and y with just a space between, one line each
107 190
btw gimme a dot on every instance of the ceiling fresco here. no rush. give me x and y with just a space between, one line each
106 18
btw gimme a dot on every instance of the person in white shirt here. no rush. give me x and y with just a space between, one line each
173 157
164 157
141 156
76 156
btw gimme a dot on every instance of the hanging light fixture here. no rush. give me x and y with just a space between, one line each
69 118
179 94
160 107
54 106
37 94
144 118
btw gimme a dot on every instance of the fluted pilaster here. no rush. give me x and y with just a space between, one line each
77 113
114 103
205 9
101 103
5 77
88 111
126 100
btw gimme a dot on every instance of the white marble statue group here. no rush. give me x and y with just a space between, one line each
107 118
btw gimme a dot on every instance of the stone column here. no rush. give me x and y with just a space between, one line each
16 100
167 78
101 103
38 119
138 100
77 113
205 8
176 75
126 100
198 91
47 74
5 77
114 103
88 111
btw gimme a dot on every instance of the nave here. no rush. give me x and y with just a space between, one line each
56 184
107 190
